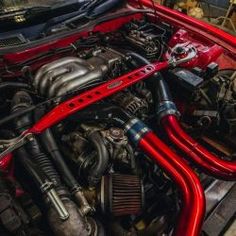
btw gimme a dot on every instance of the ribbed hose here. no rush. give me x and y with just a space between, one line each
43 162
52 148
64 217
68 178
36 173
22 101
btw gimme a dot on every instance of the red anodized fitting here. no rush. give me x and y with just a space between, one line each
193 199
209 162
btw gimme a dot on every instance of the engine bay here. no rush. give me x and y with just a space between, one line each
121 132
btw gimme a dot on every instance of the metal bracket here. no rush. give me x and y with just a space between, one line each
13 144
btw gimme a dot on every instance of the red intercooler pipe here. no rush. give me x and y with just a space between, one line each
211 163
193 198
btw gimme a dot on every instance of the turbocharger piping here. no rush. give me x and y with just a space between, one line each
193 199
168 116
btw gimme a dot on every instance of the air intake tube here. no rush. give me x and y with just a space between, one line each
168 116
52 148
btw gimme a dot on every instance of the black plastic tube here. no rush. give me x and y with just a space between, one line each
51 146
102 159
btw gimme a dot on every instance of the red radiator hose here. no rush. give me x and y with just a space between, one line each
193 199
211 163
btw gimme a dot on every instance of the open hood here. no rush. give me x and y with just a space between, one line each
115 121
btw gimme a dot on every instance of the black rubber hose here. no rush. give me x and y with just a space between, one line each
22 156
102 160
51 146
38 176
7 85
162 90
22 101
138 58
44 163
15 115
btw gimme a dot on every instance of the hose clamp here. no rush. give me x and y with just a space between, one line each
15 143
135 130
46 186
167 108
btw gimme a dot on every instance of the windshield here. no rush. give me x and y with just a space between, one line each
7 6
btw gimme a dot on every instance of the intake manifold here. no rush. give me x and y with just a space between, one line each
69 74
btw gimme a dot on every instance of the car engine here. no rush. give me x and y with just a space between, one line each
83 125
